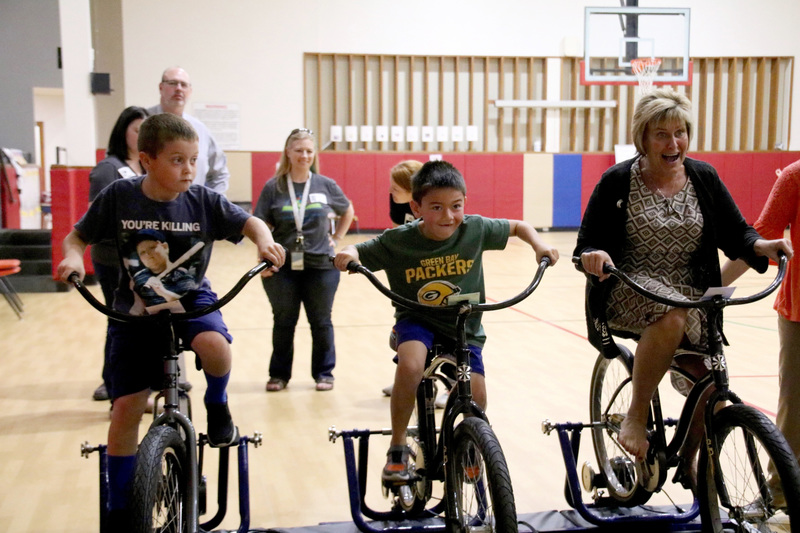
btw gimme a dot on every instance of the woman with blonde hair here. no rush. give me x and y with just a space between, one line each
662 217
296 204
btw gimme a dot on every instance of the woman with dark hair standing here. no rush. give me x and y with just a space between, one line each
121 161
296 204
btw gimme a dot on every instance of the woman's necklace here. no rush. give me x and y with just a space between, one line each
666 190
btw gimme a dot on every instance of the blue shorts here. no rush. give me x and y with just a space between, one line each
408 330
136 356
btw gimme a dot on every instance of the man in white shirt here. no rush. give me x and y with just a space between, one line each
212 168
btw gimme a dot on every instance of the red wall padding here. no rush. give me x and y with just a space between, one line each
69 187
592 170
494 181
263 168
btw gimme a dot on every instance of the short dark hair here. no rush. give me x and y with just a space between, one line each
117 142
158 130
436 175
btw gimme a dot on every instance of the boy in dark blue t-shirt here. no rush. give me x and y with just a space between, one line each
162 225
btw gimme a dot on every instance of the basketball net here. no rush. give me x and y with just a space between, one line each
645 69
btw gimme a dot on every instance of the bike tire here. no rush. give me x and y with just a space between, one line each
610 398
734 478
160 483
480 482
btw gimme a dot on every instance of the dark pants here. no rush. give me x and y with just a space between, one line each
315 289
108 277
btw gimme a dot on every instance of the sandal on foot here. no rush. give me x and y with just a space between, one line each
276 384
324 384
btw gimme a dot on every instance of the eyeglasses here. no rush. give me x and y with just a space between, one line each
301 130
177 83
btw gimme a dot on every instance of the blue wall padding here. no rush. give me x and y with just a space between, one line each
567 190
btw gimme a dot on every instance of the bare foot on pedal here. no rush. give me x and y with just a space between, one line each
633 437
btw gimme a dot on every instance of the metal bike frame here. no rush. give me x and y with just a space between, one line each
171 416
460 403
356 467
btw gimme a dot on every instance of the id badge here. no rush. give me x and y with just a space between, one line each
297 260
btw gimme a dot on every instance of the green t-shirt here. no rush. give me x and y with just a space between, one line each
429 271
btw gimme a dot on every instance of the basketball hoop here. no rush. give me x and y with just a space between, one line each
645 69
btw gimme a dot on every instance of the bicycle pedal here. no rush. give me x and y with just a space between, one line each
393 485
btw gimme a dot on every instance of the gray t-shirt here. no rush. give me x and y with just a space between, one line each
325 197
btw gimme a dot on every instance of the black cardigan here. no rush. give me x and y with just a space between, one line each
603 228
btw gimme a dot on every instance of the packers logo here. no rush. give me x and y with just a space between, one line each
436 292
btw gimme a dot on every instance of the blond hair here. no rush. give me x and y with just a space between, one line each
403 171
284 165
659 107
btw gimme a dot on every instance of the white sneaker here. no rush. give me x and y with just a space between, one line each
387 391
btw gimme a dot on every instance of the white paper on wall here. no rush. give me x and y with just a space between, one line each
366 134
397 133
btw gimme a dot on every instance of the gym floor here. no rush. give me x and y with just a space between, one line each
538 367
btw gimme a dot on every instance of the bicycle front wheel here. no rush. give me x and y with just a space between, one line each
479 482
160 483
610 398
749 478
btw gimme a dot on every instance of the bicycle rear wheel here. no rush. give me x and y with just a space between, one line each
481 485
609 400
160 483
737 479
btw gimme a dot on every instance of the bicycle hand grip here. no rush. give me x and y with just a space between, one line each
352 266
607 269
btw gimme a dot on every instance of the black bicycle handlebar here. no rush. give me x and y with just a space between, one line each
460 307
699 303
124 317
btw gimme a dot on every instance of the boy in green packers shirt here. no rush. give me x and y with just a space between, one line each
427 260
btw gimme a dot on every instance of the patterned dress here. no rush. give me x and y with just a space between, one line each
661 236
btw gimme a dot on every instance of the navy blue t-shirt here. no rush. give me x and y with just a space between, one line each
163 247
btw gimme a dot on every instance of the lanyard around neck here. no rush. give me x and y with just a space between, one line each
299 212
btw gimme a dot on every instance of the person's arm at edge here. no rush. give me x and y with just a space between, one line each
257 231
73 248
526 232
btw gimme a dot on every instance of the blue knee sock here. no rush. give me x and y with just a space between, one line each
120 475
215 393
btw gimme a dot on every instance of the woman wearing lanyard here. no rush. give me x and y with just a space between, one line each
295 203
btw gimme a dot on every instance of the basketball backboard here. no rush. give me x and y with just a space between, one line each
613 36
